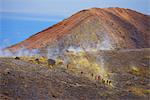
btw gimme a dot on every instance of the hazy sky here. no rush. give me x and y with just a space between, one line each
22 18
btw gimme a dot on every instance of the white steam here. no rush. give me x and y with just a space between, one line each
106 44
26 52
75 49
21 52
52 53
5 53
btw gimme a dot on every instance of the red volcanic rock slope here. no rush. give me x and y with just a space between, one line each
111 28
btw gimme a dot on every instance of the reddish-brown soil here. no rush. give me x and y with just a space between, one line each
127 28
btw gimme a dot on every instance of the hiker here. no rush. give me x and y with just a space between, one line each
103 81
68 65
92 74
109 82
98 77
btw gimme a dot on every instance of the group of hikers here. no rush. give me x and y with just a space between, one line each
99 78
52 62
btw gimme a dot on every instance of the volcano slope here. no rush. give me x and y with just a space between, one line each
128 70
100 29
106 28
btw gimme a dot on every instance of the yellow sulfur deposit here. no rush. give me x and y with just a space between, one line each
80 62
139 91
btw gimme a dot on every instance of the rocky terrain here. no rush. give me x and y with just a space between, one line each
128 71
97 54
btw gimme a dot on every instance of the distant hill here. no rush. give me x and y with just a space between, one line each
102 28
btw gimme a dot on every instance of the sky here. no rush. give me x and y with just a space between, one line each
20 19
